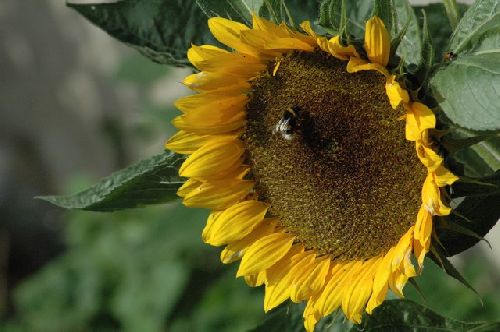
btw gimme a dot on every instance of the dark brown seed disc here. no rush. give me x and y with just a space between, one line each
329 154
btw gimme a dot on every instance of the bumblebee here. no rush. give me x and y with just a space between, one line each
287 125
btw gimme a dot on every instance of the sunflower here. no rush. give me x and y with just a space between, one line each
317 165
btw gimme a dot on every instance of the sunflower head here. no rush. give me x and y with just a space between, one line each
317 165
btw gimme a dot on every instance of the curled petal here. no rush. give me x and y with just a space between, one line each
377 41
340 51
357 64
419 117
431 197
395 92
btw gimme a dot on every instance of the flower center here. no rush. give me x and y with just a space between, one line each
329 154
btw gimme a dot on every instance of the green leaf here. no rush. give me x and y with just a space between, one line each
478 29
476 194
410 48
439 30
292 11
284 318
151 181
289 11
468 90
473 154
478 214
466 187
481 159
162 30
358 12
427 53
236 10
406 315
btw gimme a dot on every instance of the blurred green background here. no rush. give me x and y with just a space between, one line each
76 105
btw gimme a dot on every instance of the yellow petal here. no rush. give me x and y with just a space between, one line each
401 265
280 290
313 282
397 277
234 251
358 293
219 155
443 176
229 101
214 123
331 297
218 194
212 59
205 81
377 41
401 248
277 293
258 39
185 143
254 280
395 92
207 233
335 47
264 253
418 118
283 266
262 24
303 265
311 315
198 55
228 32
278 279
422 235
380 282
356 64
408 268
188 186
306 26
400 276
427 155
236 222
288 44
238 173
431 197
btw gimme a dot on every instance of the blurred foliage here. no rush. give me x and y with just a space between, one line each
450 298
141 270
154 119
